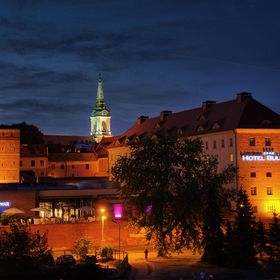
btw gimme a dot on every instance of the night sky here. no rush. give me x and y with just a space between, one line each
154 55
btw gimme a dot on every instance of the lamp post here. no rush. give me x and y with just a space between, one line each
118 223
103 217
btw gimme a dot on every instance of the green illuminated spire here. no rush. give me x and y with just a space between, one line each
100 105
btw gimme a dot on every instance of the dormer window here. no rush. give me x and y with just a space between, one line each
266 122
201 118
200 128
216 126
157 126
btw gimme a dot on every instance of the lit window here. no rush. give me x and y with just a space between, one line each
231 158
252 142
267 141
271 208
230 142
253 190
268 174
32 162
269 190
223 143
87 166
253 174
214 144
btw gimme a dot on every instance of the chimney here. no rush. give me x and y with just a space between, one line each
207 104
141 119
164 115
242 96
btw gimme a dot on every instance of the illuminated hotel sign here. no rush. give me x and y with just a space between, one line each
255 156
4 203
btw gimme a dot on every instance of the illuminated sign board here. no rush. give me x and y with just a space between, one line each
255 156
4 203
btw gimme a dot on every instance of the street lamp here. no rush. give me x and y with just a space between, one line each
118 223
103 217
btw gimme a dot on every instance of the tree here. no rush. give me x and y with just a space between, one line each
216 200
242 248
29 134
22 249
261 239
164 179
274 238
82 247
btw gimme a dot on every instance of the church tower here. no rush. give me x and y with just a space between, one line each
100 116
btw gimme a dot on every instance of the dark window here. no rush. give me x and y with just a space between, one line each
62 166
267 141
32 162
223 143
214 144
87 166
206 145
73 166
255 209
20 163
253 174
53 166
41 163
268 174
269 190
42 174
230 142
252 141
253 190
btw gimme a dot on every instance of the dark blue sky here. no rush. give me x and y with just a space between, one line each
154 55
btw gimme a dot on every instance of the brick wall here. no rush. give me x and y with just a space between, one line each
63 236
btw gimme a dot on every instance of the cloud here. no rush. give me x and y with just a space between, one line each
15 76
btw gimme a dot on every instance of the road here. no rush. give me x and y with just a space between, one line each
189 267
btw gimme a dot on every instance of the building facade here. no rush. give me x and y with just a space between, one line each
241 132
9 155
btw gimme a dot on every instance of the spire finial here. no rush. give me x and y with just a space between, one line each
99 77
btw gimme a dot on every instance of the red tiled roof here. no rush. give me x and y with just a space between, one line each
223 116
59 157
66 139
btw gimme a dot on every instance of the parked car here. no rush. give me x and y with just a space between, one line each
65 260
90 260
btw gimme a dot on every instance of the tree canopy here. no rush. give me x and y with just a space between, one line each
29 134
164 180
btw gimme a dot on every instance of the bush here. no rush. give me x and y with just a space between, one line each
107 253
22 250
82 247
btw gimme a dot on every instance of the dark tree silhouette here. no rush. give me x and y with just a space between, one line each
274 238
29 134
241 247
165 180
261 239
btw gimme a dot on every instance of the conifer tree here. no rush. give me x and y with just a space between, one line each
242 244
274 238
261 239
216 202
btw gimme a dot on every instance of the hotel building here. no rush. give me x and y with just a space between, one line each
242 132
